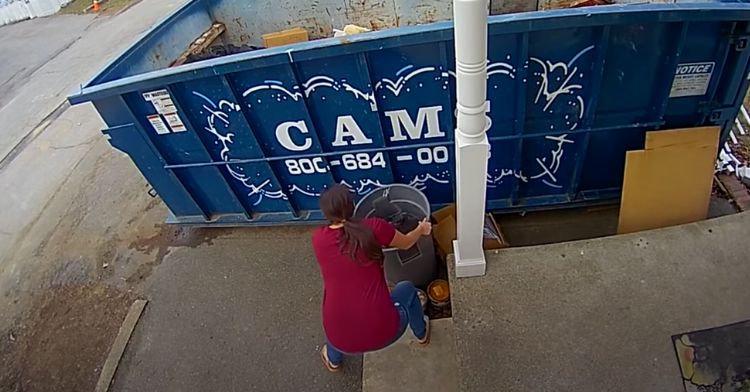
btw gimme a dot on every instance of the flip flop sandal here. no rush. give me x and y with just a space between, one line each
324 357
426 339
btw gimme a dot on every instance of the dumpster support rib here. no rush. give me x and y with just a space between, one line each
472 146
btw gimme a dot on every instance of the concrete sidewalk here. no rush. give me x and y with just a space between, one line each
598 315
241 314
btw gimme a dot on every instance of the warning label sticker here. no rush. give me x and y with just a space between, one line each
691 79
175 122
158 124
158 94
161 100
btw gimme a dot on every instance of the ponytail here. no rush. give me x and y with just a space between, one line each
356 236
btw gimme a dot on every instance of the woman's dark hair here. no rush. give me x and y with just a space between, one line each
337 206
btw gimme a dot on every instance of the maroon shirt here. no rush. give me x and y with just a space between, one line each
358 314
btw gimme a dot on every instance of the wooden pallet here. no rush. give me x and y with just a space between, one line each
200 44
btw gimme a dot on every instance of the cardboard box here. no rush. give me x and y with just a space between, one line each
286 37
444 230
493 235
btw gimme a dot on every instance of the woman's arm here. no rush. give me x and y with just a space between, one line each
406 241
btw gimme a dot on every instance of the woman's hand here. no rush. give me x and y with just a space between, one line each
425 227
406 241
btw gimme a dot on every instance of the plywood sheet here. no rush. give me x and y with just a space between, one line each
671 184
685 137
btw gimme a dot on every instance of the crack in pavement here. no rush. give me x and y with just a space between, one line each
86 143
33 134
10 253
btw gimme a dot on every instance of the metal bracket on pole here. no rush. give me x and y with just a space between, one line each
471 144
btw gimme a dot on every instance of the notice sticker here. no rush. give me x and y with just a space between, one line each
161 100
175 122
154 95
691 79
158 124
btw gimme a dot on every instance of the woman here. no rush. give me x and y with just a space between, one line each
359 314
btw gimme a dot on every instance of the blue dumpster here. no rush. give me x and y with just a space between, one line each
253 138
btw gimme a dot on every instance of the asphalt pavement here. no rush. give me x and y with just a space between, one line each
63 52
239 314
27 46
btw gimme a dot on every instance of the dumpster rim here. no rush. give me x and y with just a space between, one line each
497 25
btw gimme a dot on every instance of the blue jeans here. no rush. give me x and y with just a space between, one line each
406 300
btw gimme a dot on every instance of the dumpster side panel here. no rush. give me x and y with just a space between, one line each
638 70
259 138
131 139
708 46
411 87
182 149
276 110
208 145
161 45
223 130
346 116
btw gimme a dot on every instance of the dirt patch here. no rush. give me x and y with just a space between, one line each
168 237
64 341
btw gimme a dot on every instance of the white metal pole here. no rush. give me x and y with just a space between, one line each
471 145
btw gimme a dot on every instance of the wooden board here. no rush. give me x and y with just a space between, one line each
682 137
286 37
669 185
200 44
118 347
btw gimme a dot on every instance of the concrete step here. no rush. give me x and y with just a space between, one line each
407 366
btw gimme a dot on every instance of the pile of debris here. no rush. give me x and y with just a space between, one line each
213 52
734 156
733 165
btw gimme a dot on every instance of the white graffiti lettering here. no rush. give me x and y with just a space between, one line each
549 170
300 166
420 181
309 193
363 161
274 85
366 185
217 111
284 136
347 127
556 81
400 121
428 156
564 88
396 86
